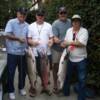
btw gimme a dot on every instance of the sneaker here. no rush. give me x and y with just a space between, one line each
12 96
22 92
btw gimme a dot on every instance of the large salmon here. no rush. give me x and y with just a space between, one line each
31 66
43 66
62 69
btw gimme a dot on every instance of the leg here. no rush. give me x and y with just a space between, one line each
55 60
81 78
22 71
66 86
55 70
50 67
11 66
50 61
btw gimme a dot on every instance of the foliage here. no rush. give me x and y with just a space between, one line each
8 9
90 13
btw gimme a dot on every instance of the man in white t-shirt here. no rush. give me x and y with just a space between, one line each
41 38
76 39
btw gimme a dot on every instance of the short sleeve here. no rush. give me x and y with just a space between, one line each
27 29
8 28
66 36
29 32
50 32
83 38
55 29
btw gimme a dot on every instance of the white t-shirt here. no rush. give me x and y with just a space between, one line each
41 33
78 53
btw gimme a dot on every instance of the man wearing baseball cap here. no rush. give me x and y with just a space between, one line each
59 28
17 30
76 41
40 37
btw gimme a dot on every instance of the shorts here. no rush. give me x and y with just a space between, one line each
56 55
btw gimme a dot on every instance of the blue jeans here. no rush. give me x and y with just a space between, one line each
81 69
12 62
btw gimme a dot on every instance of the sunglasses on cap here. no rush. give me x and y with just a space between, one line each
63 12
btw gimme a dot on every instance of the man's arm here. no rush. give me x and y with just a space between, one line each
55 33
72 43
32 43
56 40
14 38
9 33
77 44
50 42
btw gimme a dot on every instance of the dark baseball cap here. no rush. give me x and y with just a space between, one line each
40 12
62 9
22 10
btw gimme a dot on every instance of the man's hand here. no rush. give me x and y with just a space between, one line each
57 40
33 43
21 40
63 44
50 42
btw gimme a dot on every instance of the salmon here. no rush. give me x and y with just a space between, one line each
62 69
31 67
44 67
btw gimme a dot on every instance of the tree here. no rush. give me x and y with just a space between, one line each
8 9
90 13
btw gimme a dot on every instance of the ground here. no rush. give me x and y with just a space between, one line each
39 96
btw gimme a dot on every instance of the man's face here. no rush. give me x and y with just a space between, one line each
40 18
21 17
62 15
76 23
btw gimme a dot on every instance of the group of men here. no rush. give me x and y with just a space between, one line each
63 33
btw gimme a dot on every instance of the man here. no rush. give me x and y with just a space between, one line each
17 30
59 28
41 38
76 40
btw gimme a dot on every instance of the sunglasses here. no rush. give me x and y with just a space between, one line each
62 13
40 15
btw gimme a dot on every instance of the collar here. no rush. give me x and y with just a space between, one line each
19 21
64 21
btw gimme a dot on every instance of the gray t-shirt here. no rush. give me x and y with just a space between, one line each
59 30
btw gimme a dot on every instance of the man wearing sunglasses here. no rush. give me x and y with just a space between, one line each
40 37
59 28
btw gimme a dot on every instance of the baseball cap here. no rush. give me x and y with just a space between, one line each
40 12
62 9
22 10
76 16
